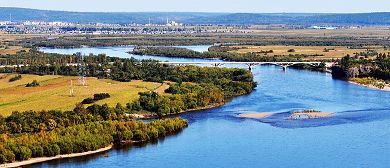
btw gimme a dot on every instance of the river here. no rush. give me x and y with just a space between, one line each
357 135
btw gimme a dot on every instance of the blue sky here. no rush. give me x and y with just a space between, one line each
230 6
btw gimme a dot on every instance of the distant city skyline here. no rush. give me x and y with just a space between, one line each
227 6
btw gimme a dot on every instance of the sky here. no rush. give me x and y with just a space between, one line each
228 6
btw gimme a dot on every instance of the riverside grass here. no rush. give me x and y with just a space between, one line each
53 92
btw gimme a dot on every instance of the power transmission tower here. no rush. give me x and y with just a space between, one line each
82 72
71 89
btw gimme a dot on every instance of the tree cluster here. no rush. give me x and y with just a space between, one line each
34 83
380 65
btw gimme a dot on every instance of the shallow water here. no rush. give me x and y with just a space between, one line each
357 135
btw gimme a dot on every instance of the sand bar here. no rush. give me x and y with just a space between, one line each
315 114
44 159
256 115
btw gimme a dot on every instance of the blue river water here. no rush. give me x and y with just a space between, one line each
356 135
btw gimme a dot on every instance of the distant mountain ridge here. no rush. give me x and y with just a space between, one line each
23 14
382 18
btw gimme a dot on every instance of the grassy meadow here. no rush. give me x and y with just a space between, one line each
12 50
53 92
334 51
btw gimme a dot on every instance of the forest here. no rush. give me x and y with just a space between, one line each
49 133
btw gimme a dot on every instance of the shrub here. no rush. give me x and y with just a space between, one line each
153 133
117 136
161 129
56 149
34 83
140 136
51 150
96 97
291 50
10 156
66 147
15 78
37 151
88 101
100 96
3 159
48 151
127 135
25 153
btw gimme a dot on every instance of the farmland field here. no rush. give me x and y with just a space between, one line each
53 92
333 51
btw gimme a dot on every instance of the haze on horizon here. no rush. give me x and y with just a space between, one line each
226 6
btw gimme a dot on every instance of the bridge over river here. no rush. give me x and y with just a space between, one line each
249 64
217 64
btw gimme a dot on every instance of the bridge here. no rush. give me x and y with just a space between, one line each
249 64
217 64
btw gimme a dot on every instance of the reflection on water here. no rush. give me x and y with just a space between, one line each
356 135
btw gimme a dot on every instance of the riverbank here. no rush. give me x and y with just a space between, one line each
386 88
44 159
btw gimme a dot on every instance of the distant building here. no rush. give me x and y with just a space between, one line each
316 27
5 23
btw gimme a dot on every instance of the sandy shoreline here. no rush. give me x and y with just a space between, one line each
44 159
386 88
254 115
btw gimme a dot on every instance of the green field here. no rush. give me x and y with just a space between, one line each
53 92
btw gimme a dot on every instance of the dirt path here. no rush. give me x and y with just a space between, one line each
161 89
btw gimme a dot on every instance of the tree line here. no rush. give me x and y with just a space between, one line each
243 57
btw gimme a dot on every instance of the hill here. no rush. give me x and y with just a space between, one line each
53 92
382 18
23 14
